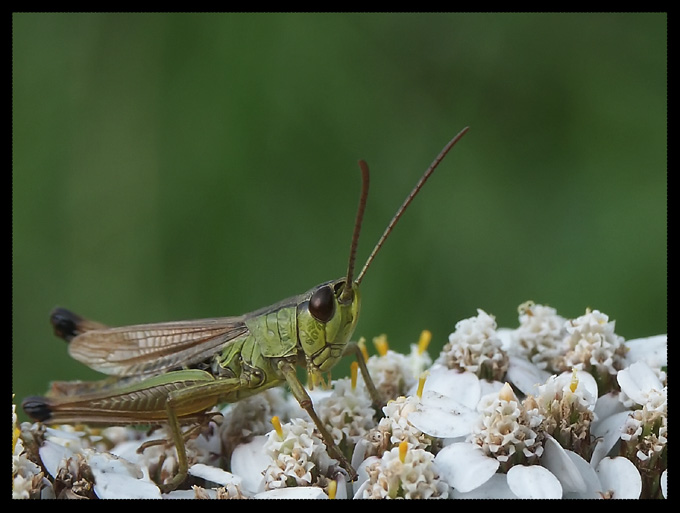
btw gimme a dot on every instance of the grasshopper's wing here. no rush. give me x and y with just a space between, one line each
151 348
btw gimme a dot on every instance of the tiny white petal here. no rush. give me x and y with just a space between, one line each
214 474
619 476
525 375
296 492
556 459
533 482
249 461
465 466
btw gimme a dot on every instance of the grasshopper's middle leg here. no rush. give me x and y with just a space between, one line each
181 401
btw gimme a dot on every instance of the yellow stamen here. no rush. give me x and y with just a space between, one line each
574 381
424 341
403 447
332 489
354 371
381 345
362 347
421 383
277 426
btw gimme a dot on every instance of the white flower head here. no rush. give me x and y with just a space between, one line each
540 335
475 347
506 430
299 456
402 472
392 372
592 343
347 412
645 432
566 405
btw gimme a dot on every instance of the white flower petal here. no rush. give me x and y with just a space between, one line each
608 431
607 405
664 484
637 380
116 478
495 488
590 478
651 350
442 417
188 494
214 474
463 387
620 477
249 461
464 466
296 492
586 382
525 375
52 454
533 482
556 459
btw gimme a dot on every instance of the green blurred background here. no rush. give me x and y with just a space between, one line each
178 166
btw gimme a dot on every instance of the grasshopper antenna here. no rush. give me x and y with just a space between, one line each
347 291
408 200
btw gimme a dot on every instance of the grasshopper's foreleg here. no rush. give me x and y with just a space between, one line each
298 390
352 348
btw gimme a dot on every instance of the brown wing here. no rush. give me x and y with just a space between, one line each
153 348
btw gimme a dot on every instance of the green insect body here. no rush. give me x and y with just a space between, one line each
176 372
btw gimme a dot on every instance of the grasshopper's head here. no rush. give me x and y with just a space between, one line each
328 314
325 323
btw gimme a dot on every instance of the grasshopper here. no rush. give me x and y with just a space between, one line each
176 372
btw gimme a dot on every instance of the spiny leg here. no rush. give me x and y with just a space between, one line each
353 348
288 370
184 402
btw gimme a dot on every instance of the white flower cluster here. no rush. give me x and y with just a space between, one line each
348 413
298 456
540 335
402 472
476 347
506 430
591 341
554 408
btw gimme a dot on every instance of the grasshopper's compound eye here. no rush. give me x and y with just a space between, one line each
322 304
